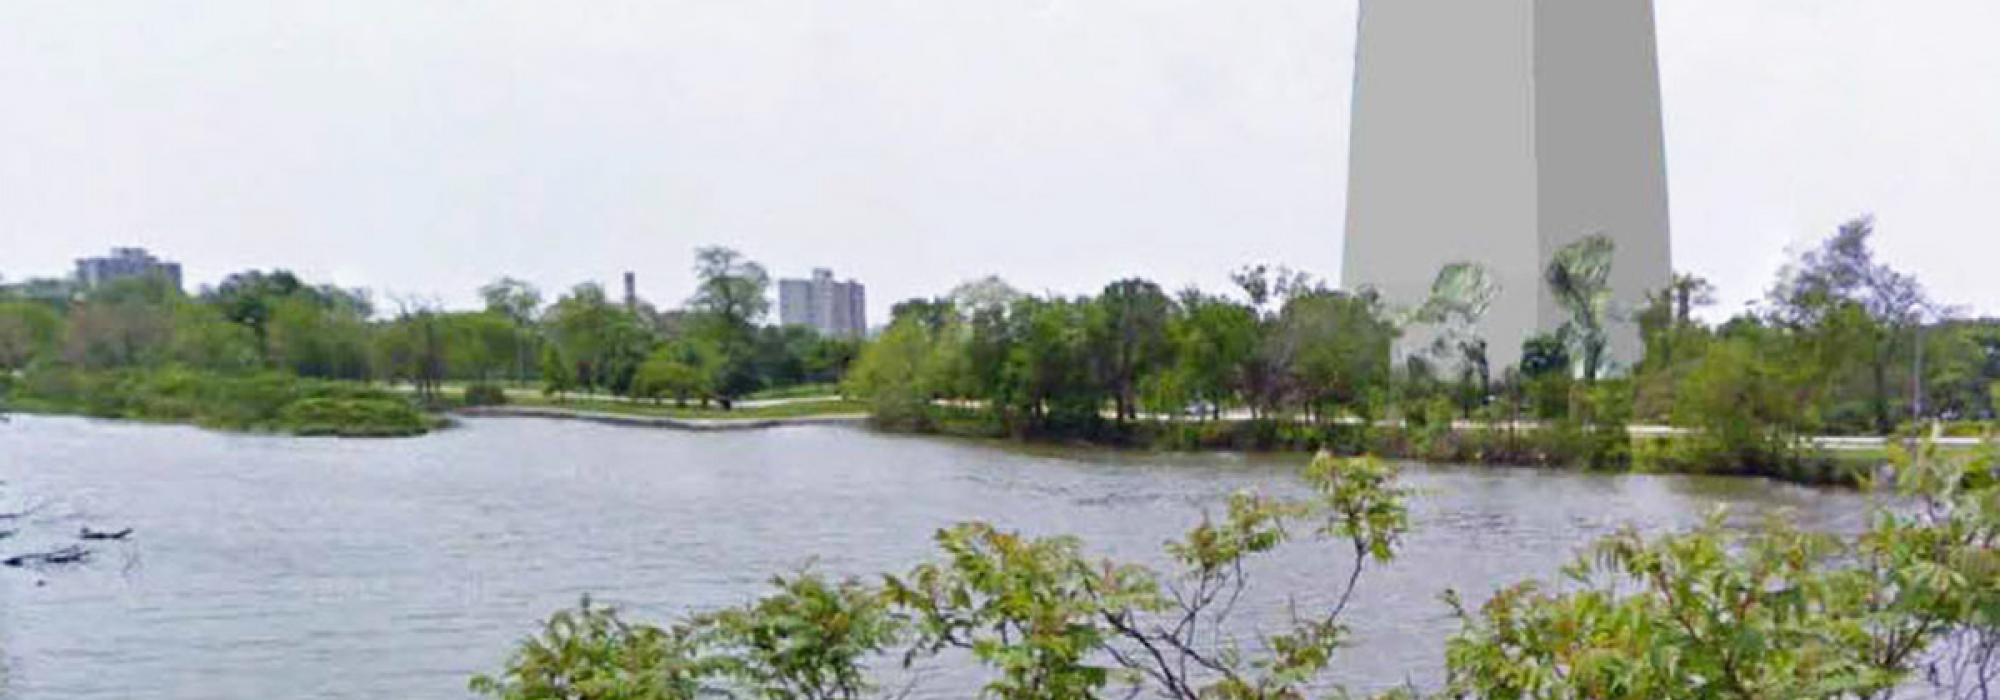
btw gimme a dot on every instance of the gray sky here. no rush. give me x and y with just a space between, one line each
427 147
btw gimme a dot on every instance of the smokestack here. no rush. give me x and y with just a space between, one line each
631 292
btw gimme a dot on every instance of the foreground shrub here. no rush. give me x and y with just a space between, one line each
810 639
1775 613
1048 620
268 401
1712 613
590 653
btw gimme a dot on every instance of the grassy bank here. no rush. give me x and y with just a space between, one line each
266 402
1558 445
797 391
797 409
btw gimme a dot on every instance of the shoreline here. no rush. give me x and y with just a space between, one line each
632 420
1828 461
433 422
1813 462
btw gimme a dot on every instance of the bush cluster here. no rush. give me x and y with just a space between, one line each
266 401
352 418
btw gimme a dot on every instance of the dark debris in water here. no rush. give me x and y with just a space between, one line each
73 554
89 534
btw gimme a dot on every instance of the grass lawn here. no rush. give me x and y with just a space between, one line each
801 409
799 391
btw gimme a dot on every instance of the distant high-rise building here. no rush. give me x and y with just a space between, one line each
631 292
125 263
835 309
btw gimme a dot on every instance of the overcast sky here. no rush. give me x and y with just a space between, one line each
423 148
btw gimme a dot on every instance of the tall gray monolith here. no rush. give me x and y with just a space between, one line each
1496 132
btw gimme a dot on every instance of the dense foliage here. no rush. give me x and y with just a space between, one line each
1048 620
1774 613
262 401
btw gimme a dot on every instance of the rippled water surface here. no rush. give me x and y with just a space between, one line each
268 567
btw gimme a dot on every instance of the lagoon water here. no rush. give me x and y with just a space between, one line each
281 567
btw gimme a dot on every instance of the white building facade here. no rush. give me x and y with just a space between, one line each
125 263
834 308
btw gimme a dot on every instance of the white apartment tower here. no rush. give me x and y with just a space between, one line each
835 309
126 263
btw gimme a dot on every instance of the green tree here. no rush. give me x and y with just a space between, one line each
986 293
1047 366
309 337
671 371
481 345
124 323
558 376
778 354
730 299
520 303
890 375
1128 339
1745 406
1866 310
1673 340
730 362
1993 397
730 286
1262 377
934 314
828 359
602 341
1214 338
1545 374
1958 359
517 301
28 331
203 339
1338 347
414 348
252 298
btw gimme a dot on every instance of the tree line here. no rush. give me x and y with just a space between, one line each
1841 343
714 349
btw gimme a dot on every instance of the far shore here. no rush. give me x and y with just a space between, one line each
663 422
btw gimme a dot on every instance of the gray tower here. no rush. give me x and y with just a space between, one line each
834 308
1496 132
